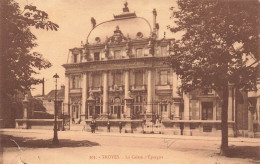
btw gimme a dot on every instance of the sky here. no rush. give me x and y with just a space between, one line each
73 18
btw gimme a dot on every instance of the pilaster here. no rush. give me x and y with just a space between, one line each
84 98
126 88
66 94
105 93
149 93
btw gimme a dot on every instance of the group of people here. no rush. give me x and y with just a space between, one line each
109 125
93 126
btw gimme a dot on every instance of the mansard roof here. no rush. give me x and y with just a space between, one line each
126 24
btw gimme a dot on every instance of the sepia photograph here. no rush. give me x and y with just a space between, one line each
130 81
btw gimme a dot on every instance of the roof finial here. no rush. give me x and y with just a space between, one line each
126 9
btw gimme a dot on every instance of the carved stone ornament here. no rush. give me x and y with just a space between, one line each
153 35
151 46
128 49
76 51
106 51
171 46
75 100
117 38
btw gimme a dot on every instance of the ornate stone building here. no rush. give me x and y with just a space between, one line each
120 75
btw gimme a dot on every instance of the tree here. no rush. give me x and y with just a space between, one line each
18 62
218 48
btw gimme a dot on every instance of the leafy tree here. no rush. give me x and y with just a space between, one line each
218 48
18 62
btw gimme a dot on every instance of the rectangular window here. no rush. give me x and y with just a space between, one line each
164 51
75 81
207 128
207 110
163 107
98 110
111 109
117 54
96 56
96 81
138 99
117 79
163 77
139 78
139 52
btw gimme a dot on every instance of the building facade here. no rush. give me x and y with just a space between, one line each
120 75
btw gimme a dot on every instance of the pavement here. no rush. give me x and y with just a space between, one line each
138 135
101 147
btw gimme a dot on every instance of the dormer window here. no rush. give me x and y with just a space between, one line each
96 56
164 51
97 39
75 58
139 35
139 52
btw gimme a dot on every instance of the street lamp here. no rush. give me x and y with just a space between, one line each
55 140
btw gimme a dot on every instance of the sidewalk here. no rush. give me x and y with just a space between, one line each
137 135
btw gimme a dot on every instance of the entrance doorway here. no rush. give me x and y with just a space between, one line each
118 111
75 114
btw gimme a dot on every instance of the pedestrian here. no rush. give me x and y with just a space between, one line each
92 126
95 126
120 126
108 127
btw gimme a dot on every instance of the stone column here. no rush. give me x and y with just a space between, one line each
105 93
175 96
149 93
186 98
250 123
126 88
66 94
25 112
25 107
230 102
83 98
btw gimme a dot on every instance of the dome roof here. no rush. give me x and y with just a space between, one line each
127 23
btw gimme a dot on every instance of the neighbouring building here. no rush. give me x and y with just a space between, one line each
49 99
120 75
38 111
254 113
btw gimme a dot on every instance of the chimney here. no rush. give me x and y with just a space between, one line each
154 20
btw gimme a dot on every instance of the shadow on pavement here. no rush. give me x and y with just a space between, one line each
252 152
6 141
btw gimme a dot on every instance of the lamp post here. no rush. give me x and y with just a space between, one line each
55 140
